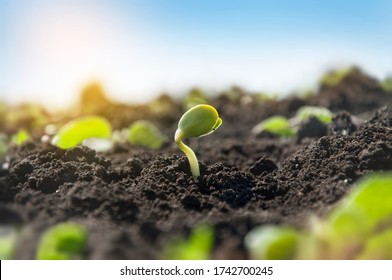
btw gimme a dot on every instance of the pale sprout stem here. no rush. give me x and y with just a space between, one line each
194 164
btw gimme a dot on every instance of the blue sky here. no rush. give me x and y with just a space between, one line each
49 49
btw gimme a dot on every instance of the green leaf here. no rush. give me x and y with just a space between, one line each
387 84
198 121
193 98
265 96
277 125
197 247
77 130
334 77
64 241
146 134
366 208
3 146
272 242
20 137
360 227
373 196
322 114
378 247
8 238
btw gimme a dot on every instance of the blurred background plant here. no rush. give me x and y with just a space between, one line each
360 227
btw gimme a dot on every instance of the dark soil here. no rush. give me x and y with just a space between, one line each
134 200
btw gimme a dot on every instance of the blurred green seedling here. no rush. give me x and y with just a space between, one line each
305 93
146 134
272 243
360 227
277 125
378 247
198 121
322 114
8 238
162 105
65 241
234 94
362 212
3 144
266 96
77 130
387 84
20 137
334 77
197 246
193 98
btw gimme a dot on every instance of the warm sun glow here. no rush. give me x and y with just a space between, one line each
63 49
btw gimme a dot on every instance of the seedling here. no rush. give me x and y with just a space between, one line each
334 77
234 94
378 247
387 84
64 241
28 115
277 125
146 134
193 98
77 130
266 96
198 121
20 137
272 243
197 247
3 144
322 114
162 105
305 93
363 215
371 201
8 238
359 228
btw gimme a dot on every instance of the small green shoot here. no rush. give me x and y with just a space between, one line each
3 144
20 137
360 215
305 93
334 77
146 134
277 125
198 121
77 130
372 199
272 243
234 94
197 247
266 96
162 105
378 247
64 241
387 84
360 227
8 238
322 114
193 98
